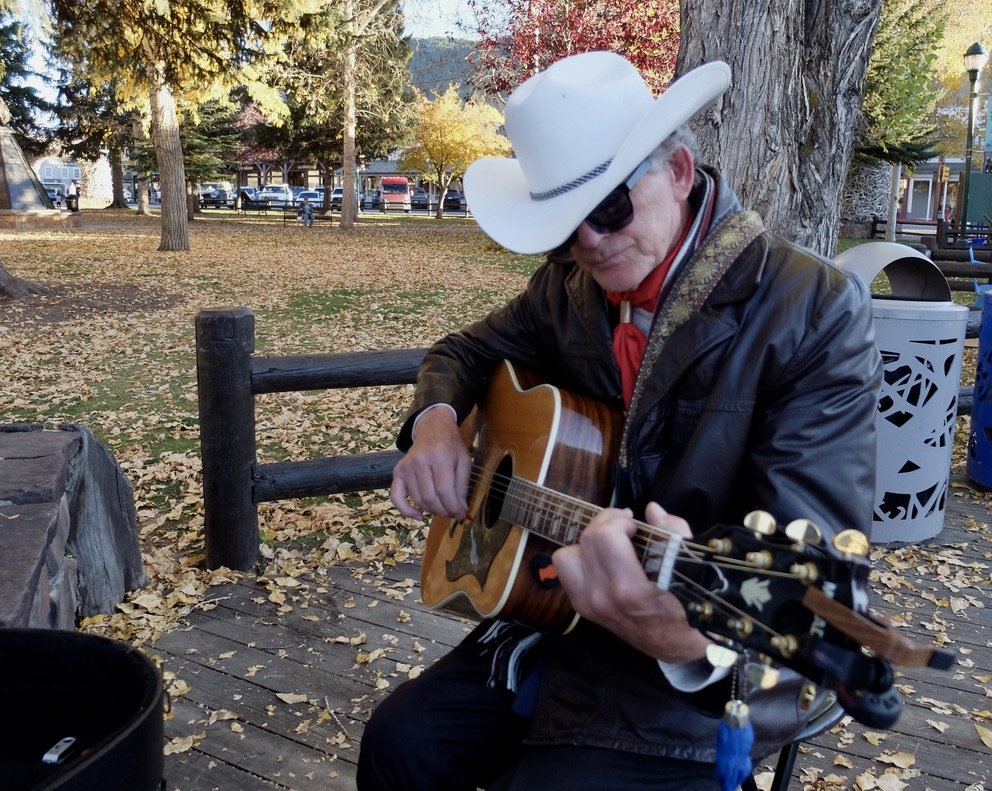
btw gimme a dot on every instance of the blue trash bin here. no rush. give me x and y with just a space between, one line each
979 467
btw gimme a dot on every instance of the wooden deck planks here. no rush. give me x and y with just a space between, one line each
351 636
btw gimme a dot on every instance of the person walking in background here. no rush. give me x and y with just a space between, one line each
72 196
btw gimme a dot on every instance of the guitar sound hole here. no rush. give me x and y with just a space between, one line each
492 509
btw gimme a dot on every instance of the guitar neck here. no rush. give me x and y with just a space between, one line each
560 519
546 513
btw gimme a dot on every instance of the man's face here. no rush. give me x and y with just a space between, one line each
619 261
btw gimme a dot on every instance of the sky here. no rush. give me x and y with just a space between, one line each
426 18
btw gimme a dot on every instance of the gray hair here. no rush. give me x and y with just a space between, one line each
683 136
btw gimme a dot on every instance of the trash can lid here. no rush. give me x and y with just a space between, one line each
911 274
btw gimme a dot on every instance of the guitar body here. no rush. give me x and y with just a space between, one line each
488 565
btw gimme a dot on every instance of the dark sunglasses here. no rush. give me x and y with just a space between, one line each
616 210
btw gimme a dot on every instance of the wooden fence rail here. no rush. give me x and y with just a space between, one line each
229 376
938 233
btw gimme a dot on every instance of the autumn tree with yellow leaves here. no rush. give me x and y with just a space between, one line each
451 134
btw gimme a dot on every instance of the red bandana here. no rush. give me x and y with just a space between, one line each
628 340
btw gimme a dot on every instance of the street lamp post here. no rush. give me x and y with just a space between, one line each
974 60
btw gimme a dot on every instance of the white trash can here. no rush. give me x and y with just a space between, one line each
920 333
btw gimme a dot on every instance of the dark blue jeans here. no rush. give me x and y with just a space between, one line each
447 731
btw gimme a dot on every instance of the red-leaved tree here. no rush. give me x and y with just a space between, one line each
520 37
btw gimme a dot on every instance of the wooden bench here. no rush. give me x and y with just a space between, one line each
902 227
256 206
950 236
291 214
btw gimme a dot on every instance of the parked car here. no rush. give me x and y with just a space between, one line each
337 197
247 193
372 199
55 196
218 198
278 195
212 186
454 201
419 199
316 197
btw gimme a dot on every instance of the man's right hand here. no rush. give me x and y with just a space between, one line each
433 476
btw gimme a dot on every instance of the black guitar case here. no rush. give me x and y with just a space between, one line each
104 694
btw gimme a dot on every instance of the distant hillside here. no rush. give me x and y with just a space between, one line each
438 63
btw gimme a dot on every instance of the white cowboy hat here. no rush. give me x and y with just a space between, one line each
578 130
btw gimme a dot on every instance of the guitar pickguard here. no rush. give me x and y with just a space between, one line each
477 547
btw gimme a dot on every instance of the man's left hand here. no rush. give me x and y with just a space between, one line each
606 583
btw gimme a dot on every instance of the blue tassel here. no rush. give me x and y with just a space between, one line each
733 746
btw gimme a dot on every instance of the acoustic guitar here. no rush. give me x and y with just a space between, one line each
542 470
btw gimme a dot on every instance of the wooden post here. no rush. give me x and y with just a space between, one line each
225 341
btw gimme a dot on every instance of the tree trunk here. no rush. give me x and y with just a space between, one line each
349 207
264 169
116 156
142 190
172 177
443 182
18 288
141 186
326 171
893 208
783 134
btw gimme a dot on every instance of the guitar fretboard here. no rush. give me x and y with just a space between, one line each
547 513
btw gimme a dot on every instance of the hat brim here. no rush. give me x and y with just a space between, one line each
498 196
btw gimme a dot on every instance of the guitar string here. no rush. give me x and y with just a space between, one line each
647 538
709 596
576 506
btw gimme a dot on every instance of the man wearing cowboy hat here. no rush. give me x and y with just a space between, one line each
747 374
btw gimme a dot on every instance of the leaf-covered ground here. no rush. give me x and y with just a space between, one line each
113 348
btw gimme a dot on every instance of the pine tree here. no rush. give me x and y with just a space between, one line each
900 98
22 101
164 55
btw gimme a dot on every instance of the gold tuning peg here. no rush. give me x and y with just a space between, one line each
760 675
761 522
803 531
807 696
852 542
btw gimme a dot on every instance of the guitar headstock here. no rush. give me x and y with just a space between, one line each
789 598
